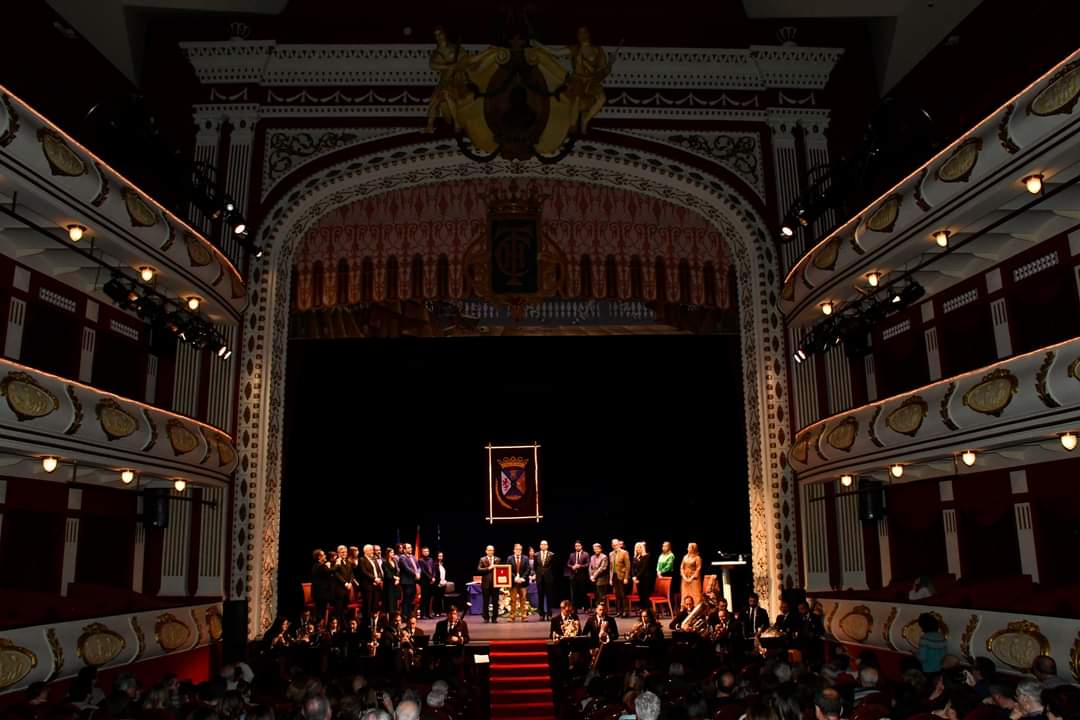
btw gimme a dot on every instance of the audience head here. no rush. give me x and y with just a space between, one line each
676 669
377 549
407 710
342 552
439 557
827 703
1044 667
761 711
868 677
425 552
318 556
928 623
436 699
543 545
1062 702
597 548
316 707
782 672
517 548
752 599
1029 696
577 546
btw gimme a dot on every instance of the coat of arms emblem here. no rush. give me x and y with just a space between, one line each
512 479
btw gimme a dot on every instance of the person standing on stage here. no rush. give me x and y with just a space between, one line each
665 562
519 590
322 583
486 571
391 582
545 580
644 573
691 574
343 580
427 581
620 573
438 587
577 570
599 572
369 578
410 576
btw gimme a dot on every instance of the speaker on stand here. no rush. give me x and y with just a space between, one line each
155 512
871 499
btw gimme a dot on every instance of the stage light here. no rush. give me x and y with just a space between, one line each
240 228
1033 183
76 232
222 350
827 308
258 251
49 463
229 206
179 484
873 278
193 303
227 355
786 230
1068 441
127 476
846 480
941 237
897 470
968 457
799 355
146 273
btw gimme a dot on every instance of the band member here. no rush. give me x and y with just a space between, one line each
407 641
620 574
784 619
691 574
577 571
566 623
322 583
410 576
427 581
391 581
343 580
647 631
438 587
644 572
599 572
486 571
755 618
600 626
688 606
545 580
451 631
370 579
519 571
278 635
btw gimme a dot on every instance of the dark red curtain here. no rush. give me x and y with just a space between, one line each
986 527
916 531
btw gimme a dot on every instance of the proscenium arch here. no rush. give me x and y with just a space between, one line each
262 382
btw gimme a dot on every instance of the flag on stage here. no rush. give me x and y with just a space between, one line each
514 482
416 547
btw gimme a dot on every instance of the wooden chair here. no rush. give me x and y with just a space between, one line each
633 597
709 583
309 600
661 596
353 605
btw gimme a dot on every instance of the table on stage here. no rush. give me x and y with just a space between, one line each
476 597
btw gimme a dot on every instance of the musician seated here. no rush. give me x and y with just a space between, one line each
647 631
600 627
721 618
451 631
566 623
684 612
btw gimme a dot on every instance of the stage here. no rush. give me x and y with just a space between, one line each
533 629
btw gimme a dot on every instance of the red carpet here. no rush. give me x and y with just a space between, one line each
520 680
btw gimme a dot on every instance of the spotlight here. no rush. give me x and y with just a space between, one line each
127 477
49 463
258 251
179 484
846 480
193 303
121 292
76 232
874 279
240 228
1068 441
1033 183
968 457
227 355
800 355
897 470
146 273
222 350
786 230
827 308
941 237
229 206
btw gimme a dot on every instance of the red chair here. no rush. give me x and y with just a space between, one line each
309 601
661 596
354 601
633 597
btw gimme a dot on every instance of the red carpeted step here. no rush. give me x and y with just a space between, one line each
540 656
520 680
517 669
521 709
523 681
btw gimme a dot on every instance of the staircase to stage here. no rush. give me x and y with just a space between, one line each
520 680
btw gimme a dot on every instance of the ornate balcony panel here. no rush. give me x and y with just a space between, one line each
962 189
1024 400
1008 639
54 652
43 414
59 183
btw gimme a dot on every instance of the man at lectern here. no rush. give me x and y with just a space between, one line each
486 571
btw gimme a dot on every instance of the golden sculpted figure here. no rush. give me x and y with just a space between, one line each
590 66
451 61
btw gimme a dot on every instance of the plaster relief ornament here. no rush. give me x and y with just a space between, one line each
517 100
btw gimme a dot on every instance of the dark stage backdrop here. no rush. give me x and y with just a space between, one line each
642 438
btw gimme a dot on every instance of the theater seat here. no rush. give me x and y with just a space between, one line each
661 596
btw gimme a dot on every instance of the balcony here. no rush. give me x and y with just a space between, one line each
1011 412
49 183
974 190
95 435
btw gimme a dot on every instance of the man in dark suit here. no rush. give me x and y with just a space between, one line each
369 578
343 580
322 583
427 583
410 575
451 631
577 570
544 570
486 571
755 618
566 614
598 621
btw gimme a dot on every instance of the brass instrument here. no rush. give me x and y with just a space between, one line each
697 618
721 630
571 627
604 639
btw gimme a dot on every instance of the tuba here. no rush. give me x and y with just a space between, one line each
697 618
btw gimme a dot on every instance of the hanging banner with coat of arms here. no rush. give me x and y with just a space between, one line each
514 482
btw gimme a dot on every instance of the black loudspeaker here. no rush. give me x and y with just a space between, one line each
871 500
155 506
234 617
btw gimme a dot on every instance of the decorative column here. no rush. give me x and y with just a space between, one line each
241 119
814 123
212 544
71 541
884 552
86 354
804 378
837 380
785 161
208 119
815 537
870 370
849 526
952 536
16 315
174 551
222 380
137 566
186 380
1025 533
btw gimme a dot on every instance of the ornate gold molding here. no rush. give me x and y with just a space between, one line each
908 417
826 257
965 639
1060 94
182 439
16 662
992 394
858 623
1074 659
140 636
1041 386
912 632
116 422
958 166
885 215
828 621
946 417
214 628
842 435
99 645
26 397
58 653
887 626
171 633
198 254
62 159
139 211
1018 644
